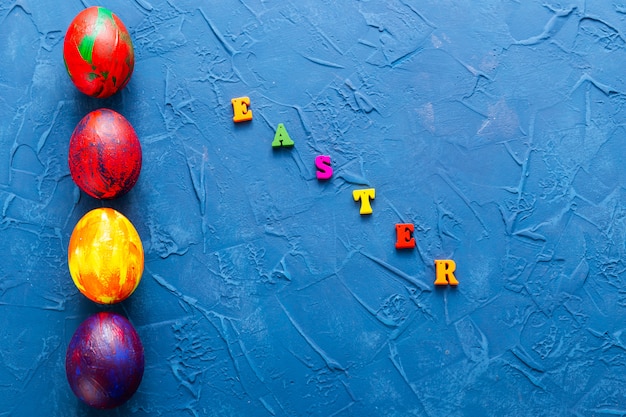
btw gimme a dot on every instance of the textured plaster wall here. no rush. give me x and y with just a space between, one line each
497 128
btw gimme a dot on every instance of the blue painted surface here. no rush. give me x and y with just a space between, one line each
495 127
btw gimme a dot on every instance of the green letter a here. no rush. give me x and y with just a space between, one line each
281 138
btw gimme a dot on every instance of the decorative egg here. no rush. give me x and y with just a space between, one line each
105 256
98 52
104 362
104 154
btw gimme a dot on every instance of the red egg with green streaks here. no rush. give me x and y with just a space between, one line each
98 52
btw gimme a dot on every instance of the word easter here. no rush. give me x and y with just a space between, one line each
444 269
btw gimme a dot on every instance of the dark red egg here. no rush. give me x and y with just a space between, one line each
98 52
104 362
104 154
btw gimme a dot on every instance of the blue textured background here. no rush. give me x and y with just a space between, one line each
496 127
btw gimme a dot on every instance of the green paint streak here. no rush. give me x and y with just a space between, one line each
104 13
85 48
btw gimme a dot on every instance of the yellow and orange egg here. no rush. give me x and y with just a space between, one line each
105 256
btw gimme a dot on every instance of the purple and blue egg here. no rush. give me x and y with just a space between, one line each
104 361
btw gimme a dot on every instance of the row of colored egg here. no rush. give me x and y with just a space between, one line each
104 362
